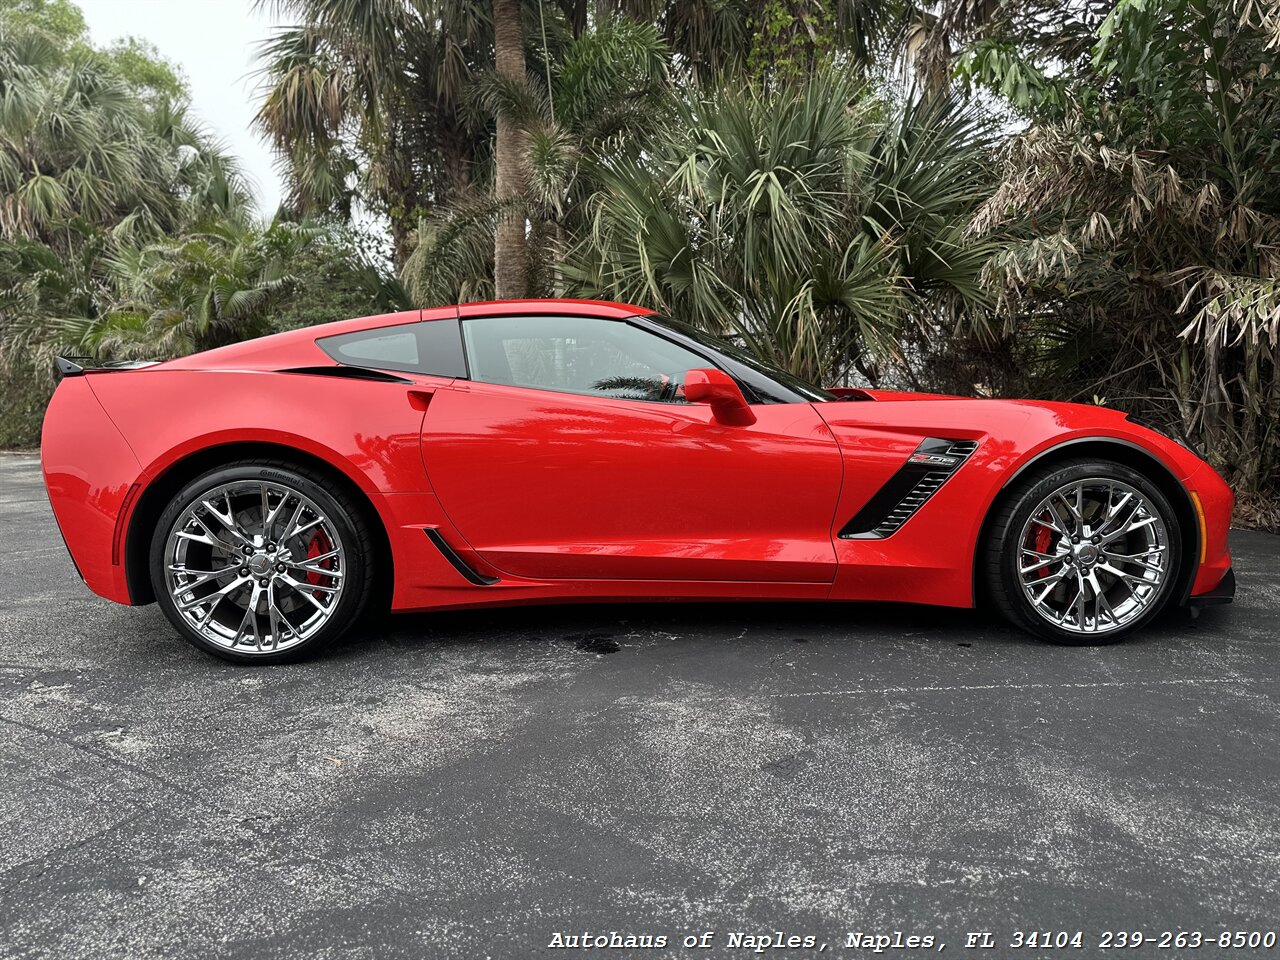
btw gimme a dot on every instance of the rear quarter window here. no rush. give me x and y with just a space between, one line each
432 347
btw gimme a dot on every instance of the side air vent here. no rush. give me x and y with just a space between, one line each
455 561
926 470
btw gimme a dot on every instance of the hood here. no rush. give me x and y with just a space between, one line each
864 393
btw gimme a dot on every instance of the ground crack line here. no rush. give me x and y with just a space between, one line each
962 687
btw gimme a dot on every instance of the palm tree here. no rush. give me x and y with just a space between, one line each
510 259
711 39
608 91
372 101
87 162
200 290
77 143
366 102
812 223
1144 214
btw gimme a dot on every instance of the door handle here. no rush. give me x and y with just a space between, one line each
420 399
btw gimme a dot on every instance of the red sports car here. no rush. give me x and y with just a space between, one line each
266 494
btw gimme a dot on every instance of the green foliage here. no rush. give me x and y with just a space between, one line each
24 394
366 100
124 230
609 91
61 20
1143 220
1001 66
88 164
221 284
814 223
391 107
143 68
792 39
342 274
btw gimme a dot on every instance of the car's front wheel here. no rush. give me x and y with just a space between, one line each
1083 552
261 562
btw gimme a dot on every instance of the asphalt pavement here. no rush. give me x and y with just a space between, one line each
488 784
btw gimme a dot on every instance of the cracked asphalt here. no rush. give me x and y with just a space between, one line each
467 785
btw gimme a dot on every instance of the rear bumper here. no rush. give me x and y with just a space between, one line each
1224 592
89 472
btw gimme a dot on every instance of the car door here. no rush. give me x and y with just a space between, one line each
570 454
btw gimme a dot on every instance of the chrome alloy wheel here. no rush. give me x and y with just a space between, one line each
254 566
1093 556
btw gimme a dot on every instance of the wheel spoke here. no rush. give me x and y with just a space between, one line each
1139 524
300 530
1077 511
245 525
227 520
250 617
1099 601
1040 565
273 617
216 595
1043 556
292 525
1051 583
1126 577
208 538
315 568
1136 559
1066 527
269 524
1129 526
284 620
305 586
307 591
1078 588
1113 511
202 576
1075 598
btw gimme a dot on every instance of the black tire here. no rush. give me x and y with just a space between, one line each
1003 553
348 522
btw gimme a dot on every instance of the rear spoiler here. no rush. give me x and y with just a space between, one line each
68 367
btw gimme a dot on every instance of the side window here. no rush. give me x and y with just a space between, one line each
588 355
432 347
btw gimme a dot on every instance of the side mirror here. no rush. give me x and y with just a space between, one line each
715 387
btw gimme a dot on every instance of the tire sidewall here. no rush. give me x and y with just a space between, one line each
1030 496
353 589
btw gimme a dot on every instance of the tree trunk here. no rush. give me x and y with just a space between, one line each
510 266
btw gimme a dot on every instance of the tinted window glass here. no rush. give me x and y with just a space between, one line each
397 348
432 347
588 355
743 365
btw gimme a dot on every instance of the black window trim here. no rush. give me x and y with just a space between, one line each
411 327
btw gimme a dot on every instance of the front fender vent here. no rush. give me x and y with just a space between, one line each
934 462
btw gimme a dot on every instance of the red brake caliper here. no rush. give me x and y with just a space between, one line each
1044 536
318 546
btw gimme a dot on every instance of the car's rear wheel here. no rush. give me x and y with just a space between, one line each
1083 552
261 562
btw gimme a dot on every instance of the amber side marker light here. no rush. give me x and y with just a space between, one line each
1204 528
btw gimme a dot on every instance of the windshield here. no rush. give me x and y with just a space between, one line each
737 355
